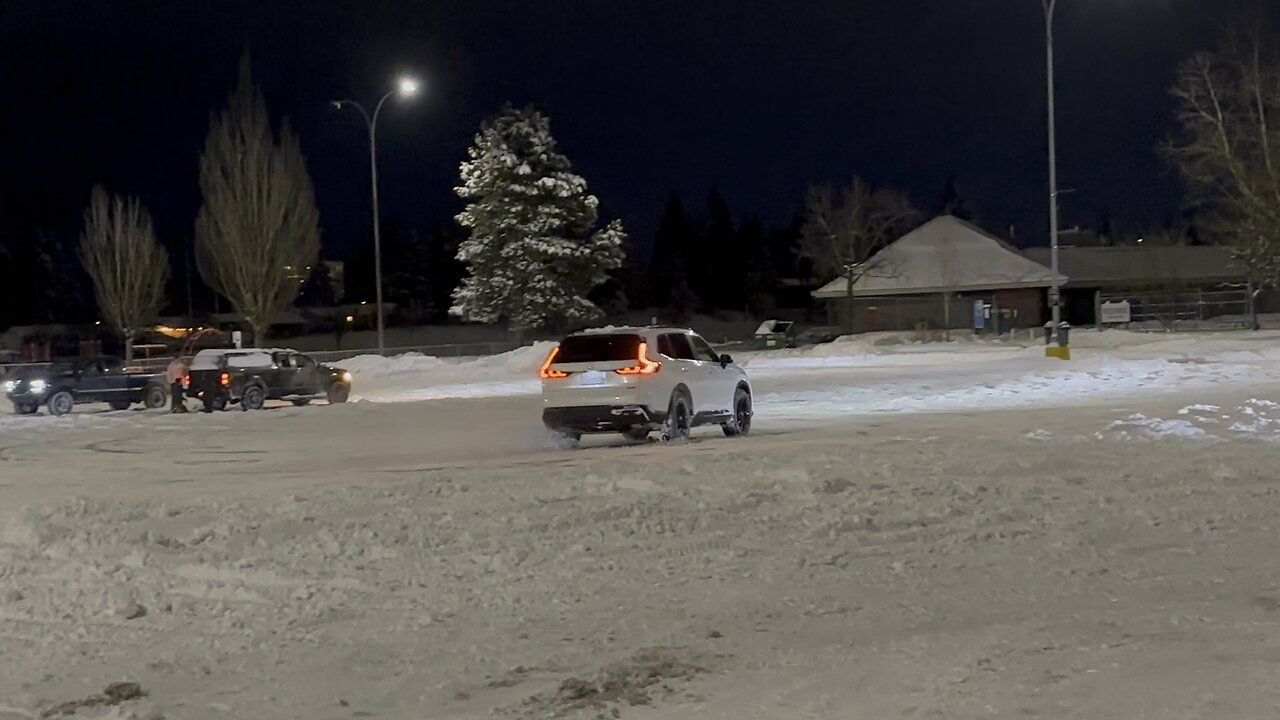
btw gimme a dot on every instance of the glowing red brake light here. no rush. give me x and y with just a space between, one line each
545 372
645 366
224 379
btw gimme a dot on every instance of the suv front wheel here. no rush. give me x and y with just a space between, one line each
740 424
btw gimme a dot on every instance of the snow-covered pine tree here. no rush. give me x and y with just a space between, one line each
532 255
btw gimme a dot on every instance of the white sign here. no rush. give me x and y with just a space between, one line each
237 339
1115 313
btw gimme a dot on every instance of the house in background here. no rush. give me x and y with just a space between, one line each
933 276
1161 283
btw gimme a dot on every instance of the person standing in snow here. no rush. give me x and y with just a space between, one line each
177 372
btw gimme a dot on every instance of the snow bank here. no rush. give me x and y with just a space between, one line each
375 367
1254 418
415 377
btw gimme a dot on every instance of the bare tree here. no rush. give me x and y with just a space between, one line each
259 218
128 267
1228 107
949 275
841 236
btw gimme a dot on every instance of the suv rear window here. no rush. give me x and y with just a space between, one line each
598 348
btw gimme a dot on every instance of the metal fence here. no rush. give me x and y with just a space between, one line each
1186 308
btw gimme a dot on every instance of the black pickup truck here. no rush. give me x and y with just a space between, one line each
251 376
63 385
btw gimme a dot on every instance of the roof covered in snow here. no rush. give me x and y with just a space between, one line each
1136 265
945 254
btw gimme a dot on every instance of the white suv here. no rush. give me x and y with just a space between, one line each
636 381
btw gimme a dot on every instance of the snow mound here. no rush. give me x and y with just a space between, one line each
1139 426
413 377
375 367
1256 418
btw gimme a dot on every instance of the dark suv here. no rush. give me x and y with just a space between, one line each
249 377
63 385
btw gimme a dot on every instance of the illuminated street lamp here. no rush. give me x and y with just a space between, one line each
406 87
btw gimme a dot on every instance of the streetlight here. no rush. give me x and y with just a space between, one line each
406 87
1055 295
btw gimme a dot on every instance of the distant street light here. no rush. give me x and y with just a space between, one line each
1055 293
406 87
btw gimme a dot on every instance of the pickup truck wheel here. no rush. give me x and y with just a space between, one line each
253 399
338 393
155 397
119 405
61 403
25 408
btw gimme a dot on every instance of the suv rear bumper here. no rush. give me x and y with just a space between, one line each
601 418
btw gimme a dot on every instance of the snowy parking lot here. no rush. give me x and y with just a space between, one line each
956 530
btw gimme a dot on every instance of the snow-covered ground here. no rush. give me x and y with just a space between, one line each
956 531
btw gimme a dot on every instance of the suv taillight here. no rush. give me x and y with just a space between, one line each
224 379
645 366
545 372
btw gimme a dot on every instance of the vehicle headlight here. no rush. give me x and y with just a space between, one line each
9 385
38 386
346 377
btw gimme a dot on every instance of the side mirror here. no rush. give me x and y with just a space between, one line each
725 361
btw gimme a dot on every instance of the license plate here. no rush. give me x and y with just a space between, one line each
593 378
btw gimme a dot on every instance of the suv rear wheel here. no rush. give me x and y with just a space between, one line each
679 418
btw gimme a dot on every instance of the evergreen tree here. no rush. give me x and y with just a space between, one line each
669 266
758 282
61 282
317 289
952 202
444 270
718 279
532 256
406 274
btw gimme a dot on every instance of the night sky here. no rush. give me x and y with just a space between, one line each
755 98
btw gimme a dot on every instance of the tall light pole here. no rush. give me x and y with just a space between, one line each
1055 297
406 87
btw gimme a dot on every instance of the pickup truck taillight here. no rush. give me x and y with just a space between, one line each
224 379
